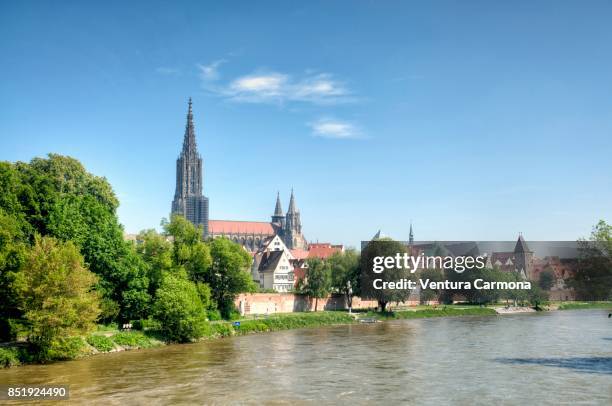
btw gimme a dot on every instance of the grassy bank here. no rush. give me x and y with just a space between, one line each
279 322
585 305
110 339
431 312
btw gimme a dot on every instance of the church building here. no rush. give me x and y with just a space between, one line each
193 205
188 198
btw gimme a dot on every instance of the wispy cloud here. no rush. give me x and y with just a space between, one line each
211 71
276 87
332 128
166 70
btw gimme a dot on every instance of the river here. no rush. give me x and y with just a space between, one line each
562 357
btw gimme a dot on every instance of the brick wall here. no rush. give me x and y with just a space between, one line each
269 303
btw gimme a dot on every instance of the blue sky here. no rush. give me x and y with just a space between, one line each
474 119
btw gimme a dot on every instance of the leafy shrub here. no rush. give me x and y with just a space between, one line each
214 315
221 329
179 309
132 339
9 357
63 349
100 343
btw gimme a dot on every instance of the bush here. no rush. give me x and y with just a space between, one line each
100 343
221 329
179 309
57 299
9 357
63 349
214 315
132 339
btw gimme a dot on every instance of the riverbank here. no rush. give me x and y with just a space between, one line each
109 339
583 305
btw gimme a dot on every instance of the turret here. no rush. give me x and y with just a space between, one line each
278 217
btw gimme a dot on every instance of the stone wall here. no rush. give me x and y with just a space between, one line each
269 303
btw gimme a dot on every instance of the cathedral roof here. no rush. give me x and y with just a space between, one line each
239 227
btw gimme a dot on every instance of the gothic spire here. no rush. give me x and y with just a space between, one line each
189 142
411 235
278 211
292 208
521 245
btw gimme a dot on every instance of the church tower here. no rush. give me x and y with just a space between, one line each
523 258
188 198
292 235
278 217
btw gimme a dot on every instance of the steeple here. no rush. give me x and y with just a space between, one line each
411 235
278 211
292 208
278 217
521 245
188 198
189 142
292 234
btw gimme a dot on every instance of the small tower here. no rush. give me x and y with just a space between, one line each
278 217
411 236
523 257
292 236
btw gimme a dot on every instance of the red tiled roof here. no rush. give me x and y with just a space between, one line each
239 227
299 254
323 250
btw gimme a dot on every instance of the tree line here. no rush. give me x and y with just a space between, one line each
65 266
592 279
64 263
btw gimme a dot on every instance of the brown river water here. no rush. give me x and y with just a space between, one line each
562 357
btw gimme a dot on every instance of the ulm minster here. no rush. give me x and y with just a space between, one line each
280 250
190 202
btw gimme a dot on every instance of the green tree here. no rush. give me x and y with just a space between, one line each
56 295
593 278
57 197
318 281
12 255
434 275
189 251
229 273
344 268
383 248
179 309
156 251
546 279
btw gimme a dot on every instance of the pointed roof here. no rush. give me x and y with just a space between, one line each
411 234
189 141
521 245
278 210
379 234
292 208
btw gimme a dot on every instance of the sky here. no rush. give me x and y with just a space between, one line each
474 120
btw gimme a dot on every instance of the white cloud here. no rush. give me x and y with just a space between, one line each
210 71
258 86
332 128
277 87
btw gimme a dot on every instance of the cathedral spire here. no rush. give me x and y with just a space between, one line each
278 210
292 208
411 235
189 142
